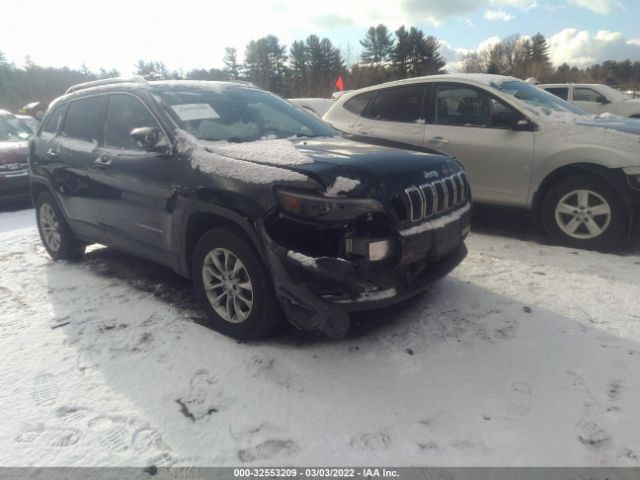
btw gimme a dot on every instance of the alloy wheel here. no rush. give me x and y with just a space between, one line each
583 214
227 285
50 227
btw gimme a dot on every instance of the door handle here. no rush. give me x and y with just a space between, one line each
437 141
103 161
51 153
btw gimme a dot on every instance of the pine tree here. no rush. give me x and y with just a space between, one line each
230 61
377 45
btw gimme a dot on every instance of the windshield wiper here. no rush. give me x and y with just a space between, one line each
307 135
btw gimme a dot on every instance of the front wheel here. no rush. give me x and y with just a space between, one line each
234 286
584 211
57 237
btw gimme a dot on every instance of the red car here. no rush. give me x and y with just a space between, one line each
14 175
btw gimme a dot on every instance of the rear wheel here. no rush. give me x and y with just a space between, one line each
234 286
584 211
55 233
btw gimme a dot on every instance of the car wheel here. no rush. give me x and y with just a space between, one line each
55 233
234 286
584 211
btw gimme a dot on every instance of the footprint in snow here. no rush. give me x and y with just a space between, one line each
591 435
371 441
112 435
268 450
52 437
517 401
45 390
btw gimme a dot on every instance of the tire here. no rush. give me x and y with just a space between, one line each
249 308
568 223
56 236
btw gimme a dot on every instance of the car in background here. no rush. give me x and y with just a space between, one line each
595 98
14 175
315 106
30 122
520 145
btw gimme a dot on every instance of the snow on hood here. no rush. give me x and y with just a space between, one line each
248 164
342 185
270 152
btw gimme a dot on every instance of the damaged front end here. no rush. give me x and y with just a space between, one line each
329 256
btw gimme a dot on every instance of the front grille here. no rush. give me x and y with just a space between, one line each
436 197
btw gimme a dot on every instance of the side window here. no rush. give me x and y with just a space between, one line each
402 104
84 118
358 103
460 105
560 92
126 113
585 95
50 128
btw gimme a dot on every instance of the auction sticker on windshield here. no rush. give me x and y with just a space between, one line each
195 111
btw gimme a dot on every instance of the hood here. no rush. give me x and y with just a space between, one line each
327 159
620 124
13 152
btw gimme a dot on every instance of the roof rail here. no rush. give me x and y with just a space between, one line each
105 81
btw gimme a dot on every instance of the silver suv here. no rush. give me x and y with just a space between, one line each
521 146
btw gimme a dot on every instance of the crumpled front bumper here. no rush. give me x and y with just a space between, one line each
316 294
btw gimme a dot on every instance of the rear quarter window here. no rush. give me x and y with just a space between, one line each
358 103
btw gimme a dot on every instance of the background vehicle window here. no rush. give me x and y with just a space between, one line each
53 122
84 118
402 104
585 95
562 93
358 103
124 114
463 106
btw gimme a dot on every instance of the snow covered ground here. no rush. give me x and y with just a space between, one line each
526 355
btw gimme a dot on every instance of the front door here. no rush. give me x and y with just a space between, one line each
478 129
134 185
589 100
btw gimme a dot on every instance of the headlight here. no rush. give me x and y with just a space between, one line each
631 170
311 205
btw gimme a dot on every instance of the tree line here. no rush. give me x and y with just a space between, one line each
310 66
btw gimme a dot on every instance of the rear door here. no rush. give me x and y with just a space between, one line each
134 185
395 114
66 152
468 123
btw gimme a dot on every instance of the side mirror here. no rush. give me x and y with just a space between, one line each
525 125
603 100
507 119
150 139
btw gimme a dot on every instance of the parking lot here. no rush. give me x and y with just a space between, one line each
527 354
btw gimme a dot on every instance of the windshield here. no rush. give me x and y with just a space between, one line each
542 101
614 94
12 130
239 115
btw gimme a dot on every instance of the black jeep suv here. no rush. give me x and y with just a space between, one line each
265 207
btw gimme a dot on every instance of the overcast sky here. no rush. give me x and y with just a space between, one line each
190 34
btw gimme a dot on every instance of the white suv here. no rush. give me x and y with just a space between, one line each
595 98
521 146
